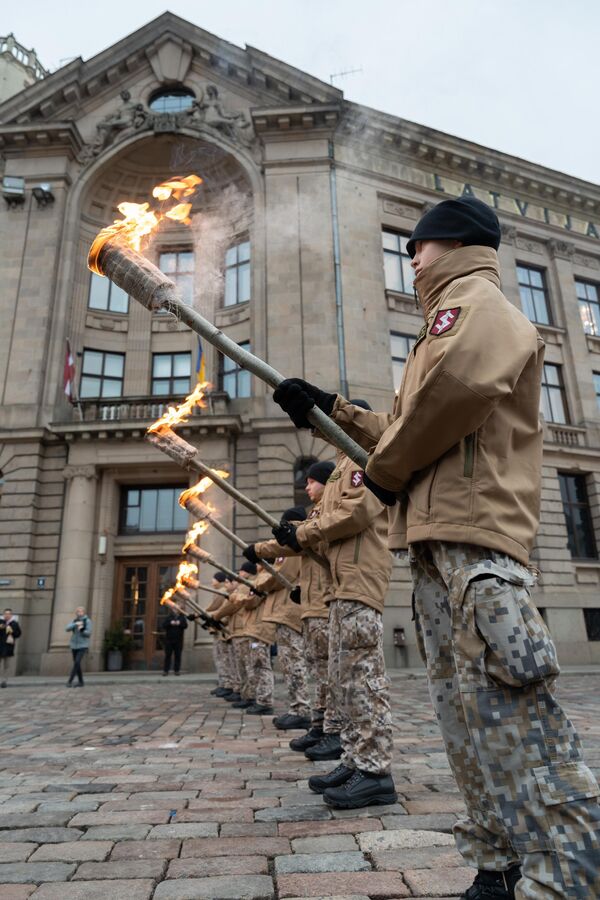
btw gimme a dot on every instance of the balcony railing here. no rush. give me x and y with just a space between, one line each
144 410
566 435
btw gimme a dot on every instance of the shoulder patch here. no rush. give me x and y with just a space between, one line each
444 321
313 514
357 478
335 476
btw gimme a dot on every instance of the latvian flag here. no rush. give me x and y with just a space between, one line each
69 375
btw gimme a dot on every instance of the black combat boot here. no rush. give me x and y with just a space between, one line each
222 692
214 692
290 721
242 704
362 789
329 747
260 709
494 885
320 783
234 697
312 737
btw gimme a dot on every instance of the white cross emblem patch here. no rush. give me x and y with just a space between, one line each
357 479
444 320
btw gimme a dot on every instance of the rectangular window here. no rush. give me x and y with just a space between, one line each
396 262
106 295
179 266
576 508
237 274
145 510
235 381
101 374
534 294
589 306
171 373
400 344
592 623
597 387
553 399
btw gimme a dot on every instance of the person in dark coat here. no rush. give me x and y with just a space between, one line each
173 627
10 631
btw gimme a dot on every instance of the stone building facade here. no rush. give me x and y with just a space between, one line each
296 248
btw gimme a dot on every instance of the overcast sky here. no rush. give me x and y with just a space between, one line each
520 76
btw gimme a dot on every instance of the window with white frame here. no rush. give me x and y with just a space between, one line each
399 275
237 273
179 266
401 346
105 295
171 373
101 374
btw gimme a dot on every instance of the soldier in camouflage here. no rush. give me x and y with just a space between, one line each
352 530
462 453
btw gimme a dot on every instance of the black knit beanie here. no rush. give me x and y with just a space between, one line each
220 576
294 514
465 219
249 568
320 471
362 403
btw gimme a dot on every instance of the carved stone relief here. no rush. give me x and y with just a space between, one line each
207 115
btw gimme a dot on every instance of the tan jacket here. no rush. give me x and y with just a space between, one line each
352 528
463 447
237 610
278 607
316 586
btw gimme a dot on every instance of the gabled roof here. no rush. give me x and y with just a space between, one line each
51 98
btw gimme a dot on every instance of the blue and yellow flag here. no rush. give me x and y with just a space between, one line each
200 364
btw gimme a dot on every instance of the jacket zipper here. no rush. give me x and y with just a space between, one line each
357 548
469 455
431 484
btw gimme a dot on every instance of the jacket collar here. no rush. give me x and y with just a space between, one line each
458 263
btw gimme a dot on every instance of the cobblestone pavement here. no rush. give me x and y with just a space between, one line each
158 790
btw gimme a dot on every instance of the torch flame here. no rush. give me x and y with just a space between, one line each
186 570
177 415
199 488
196 531
139 220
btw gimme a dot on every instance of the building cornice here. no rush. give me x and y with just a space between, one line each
41 136
456 157
296 118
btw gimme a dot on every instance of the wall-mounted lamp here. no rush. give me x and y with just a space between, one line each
13 190
43 194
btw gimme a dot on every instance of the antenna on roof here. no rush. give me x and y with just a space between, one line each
343 74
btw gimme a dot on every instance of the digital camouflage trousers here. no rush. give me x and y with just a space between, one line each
359 686
224 663
315 632
515 755
262 671
241 654
290 653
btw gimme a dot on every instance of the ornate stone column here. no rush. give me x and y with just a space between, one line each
73 578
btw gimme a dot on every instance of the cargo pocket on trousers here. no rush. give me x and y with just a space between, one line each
518 647
566 783
360 629
378 695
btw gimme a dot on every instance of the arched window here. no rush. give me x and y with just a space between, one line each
172 100
301 467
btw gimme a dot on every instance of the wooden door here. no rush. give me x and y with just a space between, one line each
140 584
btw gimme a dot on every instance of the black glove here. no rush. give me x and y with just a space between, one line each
285 534
387 497
250 553
191 617
295 594
257 593
297 397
